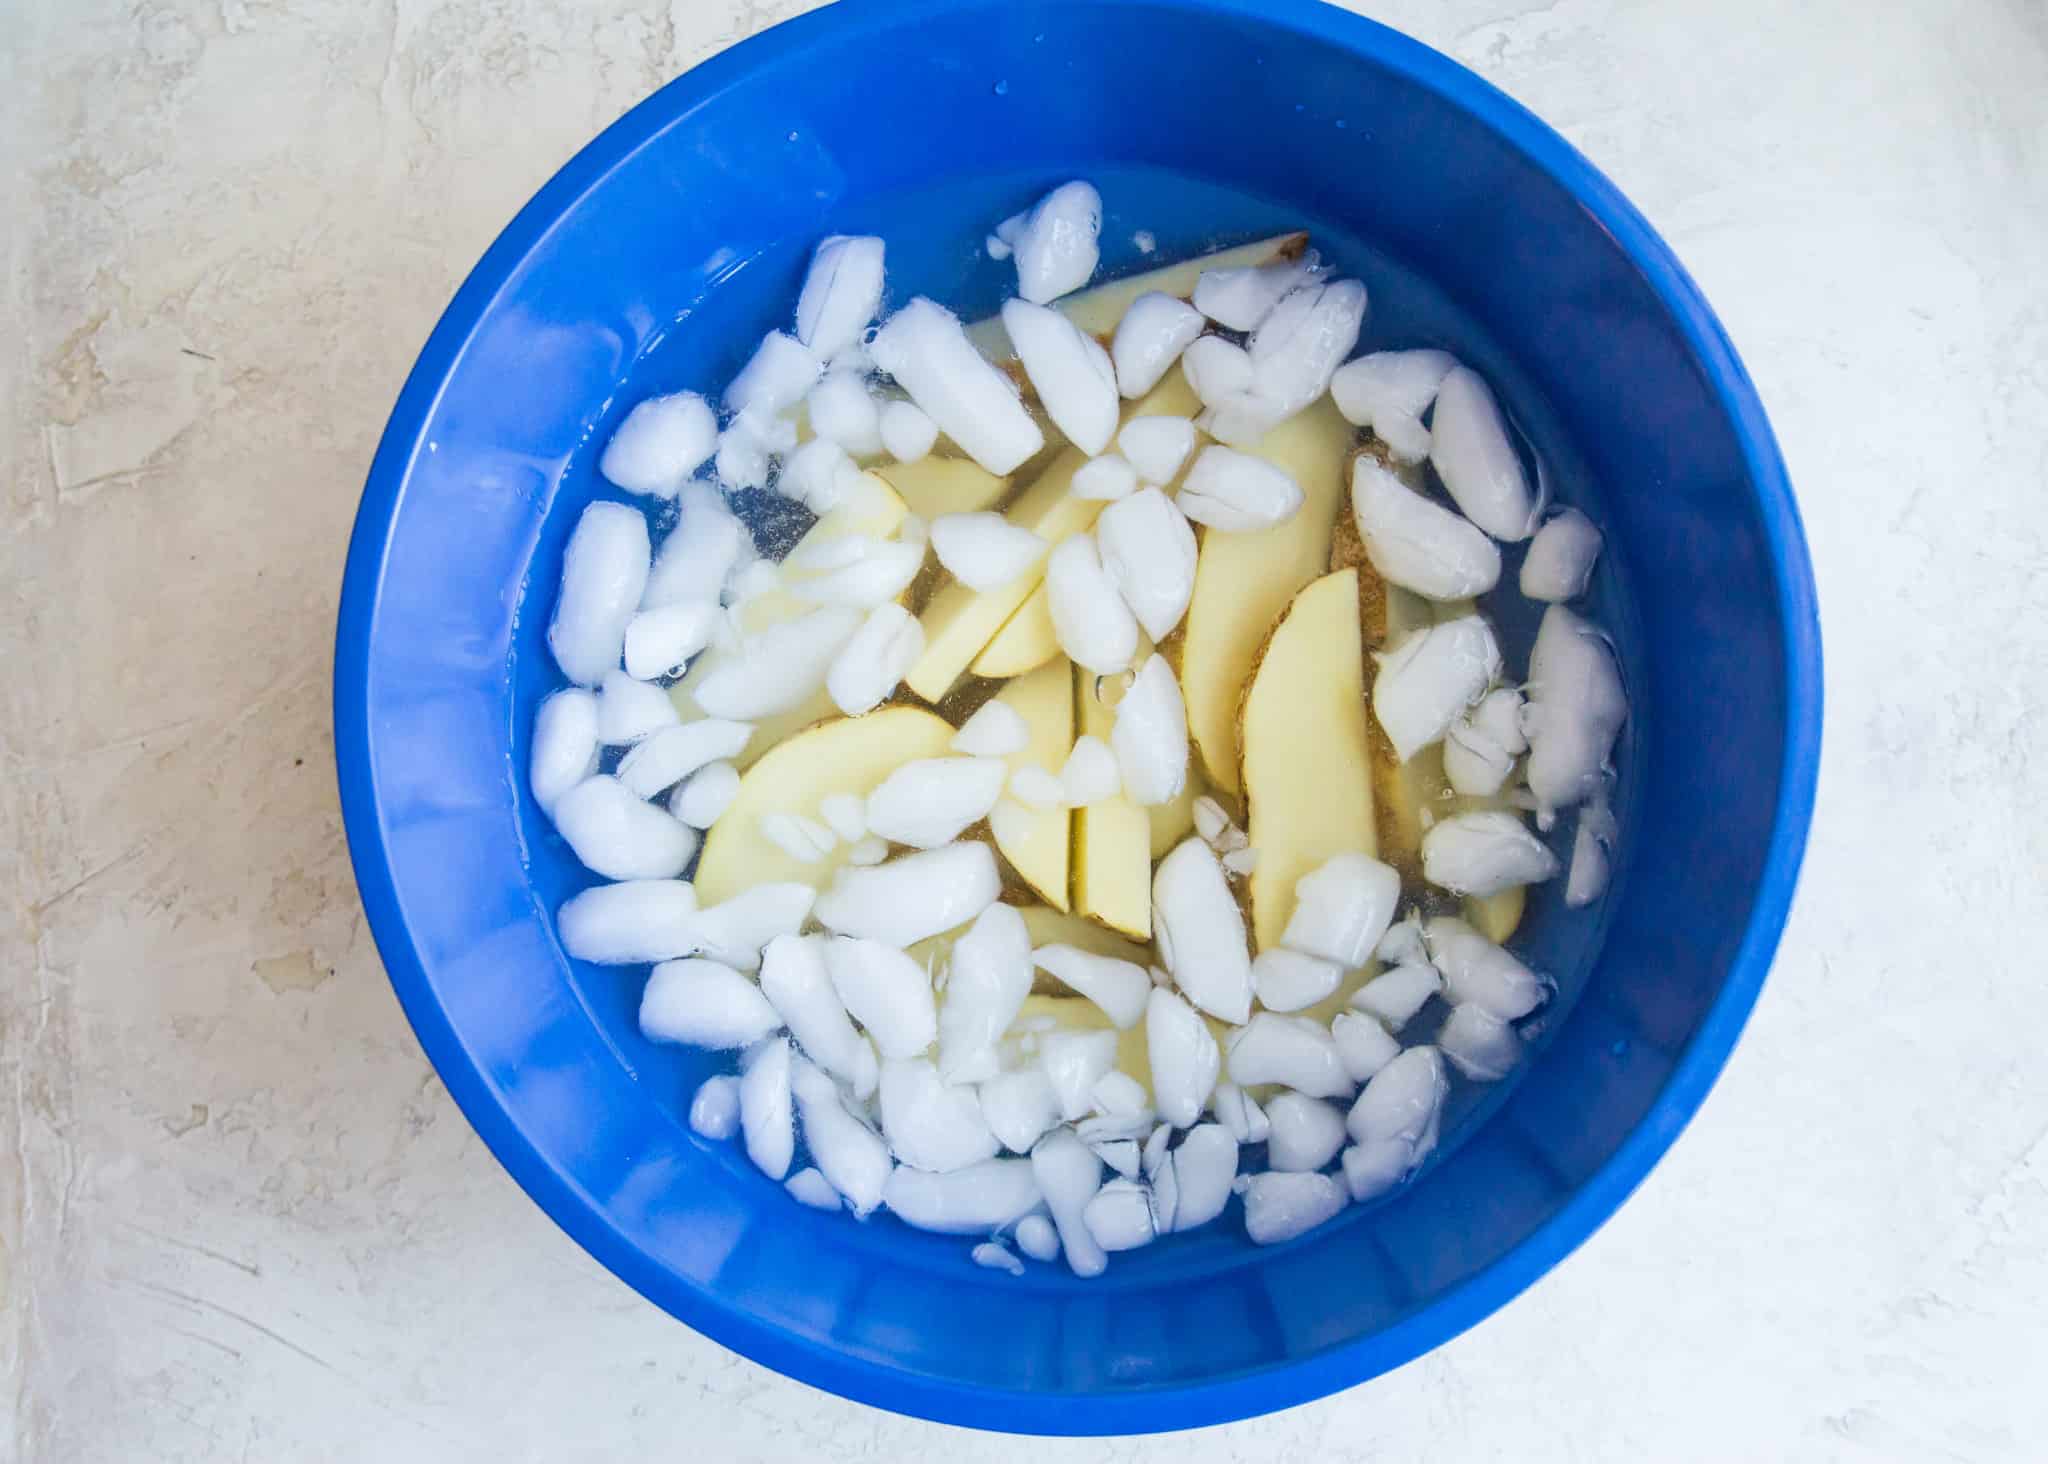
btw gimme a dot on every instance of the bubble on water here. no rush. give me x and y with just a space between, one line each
1002 88
792 137
1342 124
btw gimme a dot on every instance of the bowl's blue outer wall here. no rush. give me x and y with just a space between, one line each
723 178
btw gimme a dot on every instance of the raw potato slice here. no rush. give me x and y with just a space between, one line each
960 622
1174 821
1037 844
1112 839
1307 762
1243 581
850 755
1026 641
1054 927
1497 916
874 509
1098 309
935 485
1077 1013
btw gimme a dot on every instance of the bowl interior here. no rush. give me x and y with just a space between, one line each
656 261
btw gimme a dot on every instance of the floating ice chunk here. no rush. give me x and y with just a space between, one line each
1200 931
852 1155
604 572
1592 843
565 745
871 665
618 835
1403 945
1122 1155
675 752
1342 908
1183 1056
1156 446
1389 391
1119 1216
1069 1175
925 348
815 475
1150 736
984 551
704 1004
845 814
1370 1170
1478 464
1427 681
1058 244
629 923
1364 1045
1481 747
844 411
1561 556
628 710
662 442
1155 329
1089 617
1155 1148
1035 786
1483 852
988 978
1475 970
1306 1132
803 839
1287 981
931 801
1416 544
997 730
1479 1044
887 992
1148 551
1574 711
1236 493
1020 1107
1404 1099
1295 1052
1104 479
660 641
775 377
780 668
1074 1061
1069 370
841 293
705 794
1279 1206
745 450
1238 1112
1395 995
977 1199
866 851
1203 1167
1216 370
715 1111
809 1187
765 1107
878 571
1090 775
1119 988
1211 820
735 930
699 552
913 896
931 1124
1240 298
795 981
1298 347
907 431
1037 1238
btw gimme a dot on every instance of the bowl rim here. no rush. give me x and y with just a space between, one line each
1167 1406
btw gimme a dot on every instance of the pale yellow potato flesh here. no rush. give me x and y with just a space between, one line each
1173 821
1077 1013
960 622
1499 915
1307 762
874 509
1098 309
935 485
1112 839
849 755
1244 581
1057 927
1040 853
1026 641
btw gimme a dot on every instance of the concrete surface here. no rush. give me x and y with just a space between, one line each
241 1218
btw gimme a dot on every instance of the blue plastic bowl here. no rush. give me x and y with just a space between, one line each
662 252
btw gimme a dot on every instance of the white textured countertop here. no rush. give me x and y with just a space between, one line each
241 1218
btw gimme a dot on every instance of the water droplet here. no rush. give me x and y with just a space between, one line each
792 137
1002 88
1342 124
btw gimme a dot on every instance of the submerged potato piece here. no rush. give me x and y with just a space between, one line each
1027 640
1035 840
1112 839
1307 762
935 485
1243 581
851 755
